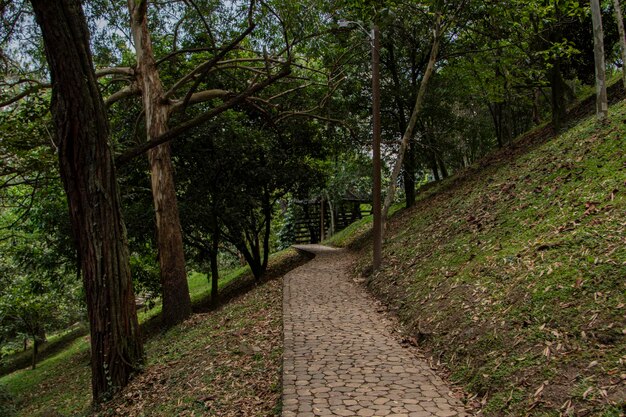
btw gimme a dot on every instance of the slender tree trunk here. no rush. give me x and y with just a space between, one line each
433 167
557 84
88 174
557 94
176 299
408 174
39 338
214 266
536 103
35 351
432 155
408 134
41 334
331 214
215 297
322 211
602 104
252 260
267 213
622 37
442 167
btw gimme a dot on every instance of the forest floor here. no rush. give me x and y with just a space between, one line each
220 362
512 273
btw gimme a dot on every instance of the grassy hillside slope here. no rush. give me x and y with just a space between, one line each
513 273
220 362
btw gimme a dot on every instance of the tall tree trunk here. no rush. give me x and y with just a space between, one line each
88 174
408 133
176 299
622 37
602 104
557 84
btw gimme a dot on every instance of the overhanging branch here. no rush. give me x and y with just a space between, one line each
197 121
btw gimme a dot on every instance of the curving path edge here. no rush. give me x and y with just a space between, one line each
340 358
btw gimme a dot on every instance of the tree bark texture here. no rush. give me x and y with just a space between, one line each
88 174
622 37
602 103
408 133
175 290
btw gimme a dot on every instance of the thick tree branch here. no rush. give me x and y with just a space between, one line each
200 97
129 91
115 71
196 121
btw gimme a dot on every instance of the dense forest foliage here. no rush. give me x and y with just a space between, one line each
187 135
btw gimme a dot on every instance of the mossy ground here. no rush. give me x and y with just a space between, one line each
513 273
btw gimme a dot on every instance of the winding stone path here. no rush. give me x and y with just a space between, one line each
340 358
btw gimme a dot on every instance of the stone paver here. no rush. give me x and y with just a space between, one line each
340 358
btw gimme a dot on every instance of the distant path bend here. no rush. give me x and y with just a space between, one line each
340 358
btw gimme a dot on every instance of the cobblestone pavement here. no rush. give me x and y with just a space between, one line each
340 358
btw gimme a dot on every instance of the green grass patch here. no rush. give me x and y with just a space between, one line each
512 272
61 382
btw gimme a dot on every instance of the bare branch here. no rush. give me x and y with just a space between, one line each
131 90
283 93
115 71
201 97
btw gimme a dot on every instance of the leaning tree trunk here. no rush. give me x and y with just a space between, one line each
408 172
88 174
175 290
408 133
622 37
602 105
